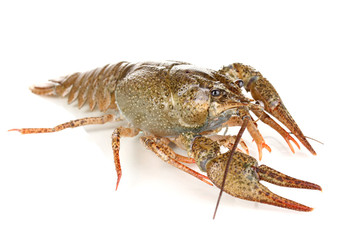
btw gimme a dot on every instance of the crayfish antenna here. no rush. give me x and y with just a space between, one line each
311 139
237 140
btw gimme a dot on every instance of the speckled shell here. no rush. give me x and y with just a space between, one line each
243 178
96 87
161 98
167 98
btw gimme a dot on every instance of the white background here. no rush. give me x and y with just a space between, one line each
61 186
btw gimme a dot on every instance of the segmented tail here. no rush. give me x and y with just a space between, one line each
97 87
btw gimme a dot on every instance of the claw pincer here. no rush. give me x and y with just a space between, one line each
244 175
263 91
243 181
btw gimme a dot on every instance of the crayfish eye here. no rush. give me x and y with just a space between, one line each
215 93
240 83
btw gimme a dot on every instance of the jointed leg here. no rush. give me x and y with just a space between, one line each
223 140
228 142
253 130
269 121
169 156
117 134
71 124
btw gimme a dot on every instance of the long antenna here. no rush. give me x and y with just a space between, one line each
237 140
311 139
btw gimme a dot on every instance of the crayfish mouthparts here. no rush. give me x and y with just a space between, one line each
243 178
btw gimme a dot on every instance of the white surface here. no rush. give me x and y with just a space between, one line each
61 186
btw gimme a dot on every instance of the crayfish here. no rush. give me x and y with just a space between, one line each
176 102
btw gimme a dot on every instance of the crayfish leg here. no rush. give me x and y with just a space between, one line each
258 138
265 118
253 130
71 124
228 142
117 134
169 156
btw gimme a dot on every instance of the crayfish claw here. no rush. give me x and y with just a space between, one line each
280 113
243 180
244 146
261 146
294 141
290 138
264 195
269 121
264 92
258 138
272 176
